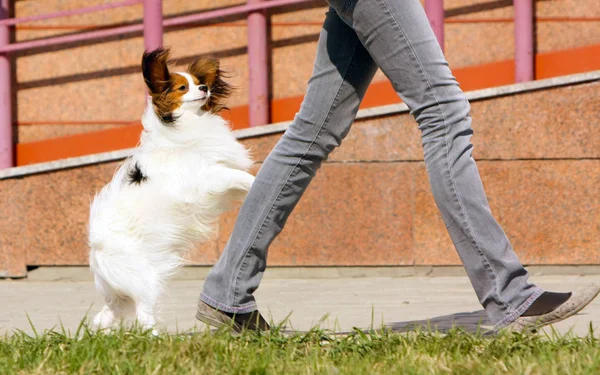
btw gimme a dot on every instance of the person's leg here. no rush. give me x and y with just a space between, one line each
342 72
398 36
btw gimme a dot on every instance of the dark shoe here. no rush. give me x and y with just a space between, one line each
252 321
572 306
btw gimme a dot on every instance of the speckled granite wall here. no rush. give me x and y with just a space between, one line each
101 81
538 154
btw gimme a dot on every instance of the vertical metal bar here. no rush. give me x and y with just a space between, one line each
435 14
153 27
6 136
258 90
524 58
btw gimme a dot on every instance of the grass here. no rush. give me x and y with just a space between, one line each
132 351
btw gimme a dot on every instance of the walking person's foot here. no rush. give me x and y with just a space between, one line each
252 321
551 308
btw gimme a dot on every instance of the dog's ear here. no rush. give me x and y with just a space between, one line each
155 70
206 69
208 72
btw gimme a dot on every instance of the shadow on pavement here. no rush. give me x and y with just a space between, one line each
472 322
475 322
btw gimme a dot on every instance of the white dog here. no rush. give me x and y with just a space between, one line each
164 199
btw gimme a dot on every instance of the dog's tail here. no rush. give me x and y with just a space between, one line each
121 275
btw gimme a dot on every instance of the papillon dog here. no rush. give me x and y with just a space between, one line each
187 170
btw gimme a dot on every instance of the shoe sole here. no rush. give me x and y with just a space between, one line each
214 322
534 327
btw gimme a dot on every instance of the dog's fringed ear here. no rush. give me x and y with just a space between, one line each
155 70
205 69
208 72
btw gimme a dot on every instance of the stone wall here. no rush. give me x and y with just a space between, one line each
538 154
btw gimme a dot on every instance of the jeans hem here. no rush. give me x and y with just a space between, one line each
511 317
228 309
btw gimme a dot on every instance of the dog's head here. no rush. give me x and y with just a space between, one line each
201 88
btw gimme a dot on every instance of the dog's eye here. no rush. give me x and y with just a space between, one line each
182 88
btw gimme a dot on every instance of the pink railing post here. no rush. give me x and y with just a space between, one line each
524 59
435 14
6 139
258 90
153 24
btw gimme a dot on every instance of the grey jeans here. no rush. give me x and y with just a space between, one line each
357 37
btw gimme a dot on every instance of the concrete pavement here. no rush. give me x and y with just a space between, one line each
346 302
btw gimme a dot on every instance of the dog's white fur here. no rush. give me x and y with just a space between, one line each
139 232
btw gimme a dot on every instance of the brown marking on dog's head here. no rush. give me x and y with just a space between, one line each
207 71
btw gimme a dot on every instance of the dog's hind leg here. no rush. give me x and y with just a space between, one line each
111 313
114 308
145 308
105 318
145 317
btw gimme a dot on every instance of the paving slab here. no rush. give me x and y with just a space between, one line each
335 303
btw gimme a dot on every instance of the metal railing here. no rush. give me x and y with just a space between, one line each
256 11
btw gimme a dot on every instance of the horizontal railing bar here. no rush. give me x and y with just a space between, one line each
176 21
66 13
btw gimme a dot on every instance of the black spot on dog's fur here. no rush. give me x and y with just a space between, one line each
168 119
135 175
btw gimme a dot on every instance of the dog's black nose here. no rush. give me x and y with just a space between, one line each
203 88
